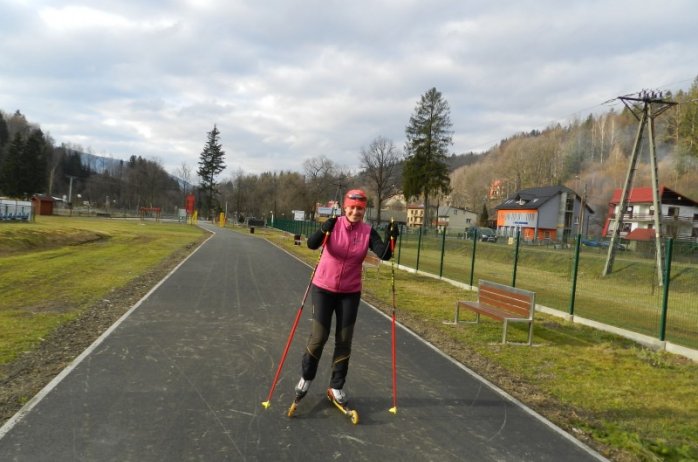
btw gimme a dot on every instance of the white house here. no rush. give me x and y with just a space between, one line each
679 215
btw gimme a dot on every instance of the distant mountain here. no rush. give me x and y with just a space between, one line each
100 164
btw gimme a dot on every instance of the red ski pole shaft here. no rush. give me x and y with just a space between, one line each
291 334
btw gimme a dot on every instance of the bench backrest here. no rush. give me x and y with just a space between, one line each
511 299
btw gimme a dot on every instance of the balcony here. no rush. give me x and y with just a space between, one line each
642 218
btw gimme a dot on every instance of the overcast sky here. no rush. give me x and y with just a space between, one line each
288 80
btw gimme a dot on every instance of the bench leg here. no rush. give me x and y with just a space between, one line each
530 333
504 333
457 315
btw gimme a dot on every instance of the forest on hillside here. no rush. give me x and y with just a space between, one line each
589 156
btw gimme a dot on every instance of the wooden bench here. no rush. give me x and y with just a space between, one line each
370 261
503 303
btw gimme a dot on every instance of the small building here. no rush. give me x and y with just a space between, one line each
43 205
678 218
549 213
415 215
15 210
455 220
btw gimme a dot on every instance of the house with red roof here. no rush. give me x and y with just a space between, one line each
678 219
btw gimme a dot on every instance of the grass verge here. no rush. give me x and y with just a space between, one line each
55 268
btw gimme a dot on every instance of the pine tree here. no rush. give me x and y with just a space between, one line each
428 138
211 163
4 132
34 164
484 216
11 166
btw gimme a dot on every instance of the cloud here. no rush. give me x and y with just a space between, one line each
287 80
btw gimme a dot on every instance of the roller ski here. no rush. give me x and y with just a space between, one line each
301 390
342 406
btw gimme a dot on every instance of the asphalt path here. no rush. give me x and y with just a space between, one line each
182 377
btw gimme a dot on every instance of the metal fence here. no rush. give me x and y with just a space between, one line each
568 277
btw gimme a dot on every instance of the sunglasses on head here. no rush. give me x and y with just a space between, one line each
356 197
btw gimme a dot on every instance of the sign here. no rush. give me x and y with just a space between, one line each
190 201
527 219
327 211
298 215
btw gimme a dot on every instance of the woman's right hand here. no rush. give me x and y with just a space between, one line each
328 225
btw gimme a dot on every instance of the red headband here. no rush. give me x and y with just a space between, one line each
355 197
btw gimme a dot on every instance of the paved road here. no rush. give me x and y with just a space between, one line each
181 378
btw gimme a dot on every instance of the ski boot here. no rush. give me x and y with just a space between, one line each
338 398
301 390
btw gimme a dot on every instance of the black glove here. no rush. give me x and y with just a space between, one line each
328 225
393 231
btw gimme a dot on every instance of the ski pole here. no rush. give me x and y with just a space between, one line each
392 277
267 403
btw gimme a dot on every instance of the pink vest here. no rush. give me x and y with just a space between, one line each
339 269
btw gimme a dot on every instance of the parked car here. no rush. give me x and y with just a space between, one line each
488 236
483 234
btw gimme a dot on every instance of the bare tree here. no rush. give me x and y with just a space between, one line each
321 175
380 162
184 173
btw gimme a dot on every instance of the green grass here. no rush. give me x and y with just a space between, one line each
51 270
633 403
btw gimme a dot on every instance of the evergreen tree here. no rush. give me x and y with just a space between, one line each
10 168
211 163
4 132
484 216
428 134
34 164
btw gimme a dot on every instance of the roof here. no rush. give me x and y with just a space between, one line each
534 198
43 198
640 234
644 195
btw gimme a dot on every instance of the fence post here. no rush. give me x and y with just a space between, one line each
399 245
472 259
443 248
665 295
575 266
419 247
516 257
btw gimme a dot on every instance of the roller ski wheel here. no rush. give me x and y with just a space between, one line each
292 409
294 404
343 408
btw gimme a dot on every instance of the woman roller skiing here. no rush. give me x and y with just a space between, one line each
336 291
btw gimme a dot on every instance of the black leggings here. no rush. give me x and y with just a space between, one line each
325 304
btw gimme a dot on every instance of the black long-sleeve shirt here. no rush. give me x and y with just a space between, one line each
377 245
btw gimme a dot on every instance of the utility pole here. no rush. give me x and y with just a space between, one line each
70 189
653 105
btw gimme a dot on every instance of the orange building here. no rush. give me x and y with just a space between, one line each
551 213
